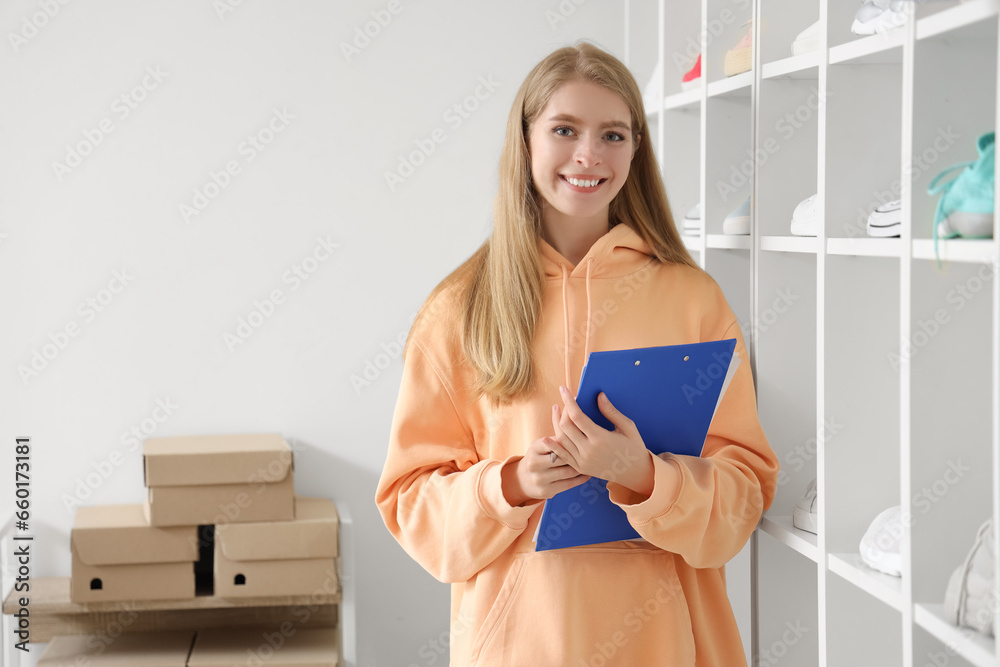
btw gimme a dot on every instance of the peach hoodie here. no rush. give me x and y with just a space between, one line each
641 603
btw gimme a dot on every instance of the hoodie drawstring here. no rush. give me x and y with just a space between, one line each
566 338
565 287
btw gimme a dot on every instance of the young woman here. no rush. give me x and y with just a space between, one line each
584 256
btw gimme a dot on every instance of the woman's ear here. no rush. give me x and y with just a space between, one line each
635 148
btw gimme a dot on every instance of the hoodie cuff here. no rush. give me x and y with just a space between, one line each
667 482
493 502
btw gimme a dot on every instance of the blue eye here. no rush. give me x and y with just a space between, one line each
563 131
614 136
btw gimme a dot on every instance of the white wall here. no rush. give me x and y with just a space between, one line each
184 282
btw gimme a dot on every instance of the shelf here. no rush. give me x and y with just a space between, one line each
967 15
978 649
881 586
804 66
738 85
729 241
865 247
956 250
53 614
688 100
806 244
887 48
781 529
691 242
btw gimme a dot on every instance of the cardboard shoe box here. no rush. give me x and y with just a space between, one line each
279 558
216 479
285 647
118 556
160 649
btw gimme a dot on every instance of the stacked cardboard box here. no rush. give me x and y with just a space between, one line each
206 648
220 517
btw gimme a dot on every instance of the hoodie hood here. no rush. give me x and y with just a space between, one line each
618 253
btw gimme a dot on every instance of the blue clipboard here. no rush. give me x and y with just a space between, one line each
671 393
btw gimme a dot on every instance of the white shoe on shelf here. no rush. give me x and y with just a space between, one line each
886 220
804 514
879 16
807 40
738 221
692 221
880 544
805 217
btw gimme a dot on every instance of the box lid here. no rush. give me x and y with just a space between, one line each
159 649
311 534
299 647
120 534
216 459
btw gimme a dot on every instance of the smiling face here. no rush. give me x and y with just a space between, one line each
581 147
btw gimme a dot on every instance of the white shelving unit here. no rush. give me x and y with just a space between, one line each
877 360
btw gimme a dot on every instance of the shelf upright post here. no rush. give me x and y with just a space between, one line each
822 124
905 306
751 341
996 390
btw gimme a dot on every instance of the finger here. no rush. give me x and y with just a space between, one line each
614 415
562 453
574 420
569 483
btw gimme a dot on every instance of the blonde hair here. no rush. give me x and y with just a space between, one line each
503 278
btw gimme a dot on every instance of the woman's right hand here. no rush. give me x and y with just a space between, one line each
536 476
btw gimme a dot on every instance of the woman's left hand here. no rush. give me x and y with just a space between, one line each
618 456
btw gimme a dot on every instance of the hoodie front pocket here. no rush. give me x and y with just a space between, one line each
587 607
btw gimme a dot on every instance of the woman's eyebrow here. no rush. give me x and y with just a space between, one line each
605 125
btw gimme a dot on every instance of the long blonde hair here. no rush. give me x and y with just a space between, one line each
503 278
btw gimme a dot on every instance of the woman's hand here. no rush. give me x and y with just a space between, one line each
537 475
618 456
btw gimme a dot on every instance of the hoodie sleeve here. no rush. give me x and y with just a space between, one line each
705 508
443 505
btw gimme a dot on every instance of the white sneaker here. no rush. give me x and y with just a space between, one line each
807 40
805 217
879 16
804 514
691 225
880 544
886 220
738 221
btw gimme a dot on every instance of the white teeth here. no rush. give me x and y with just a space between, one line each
580 183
